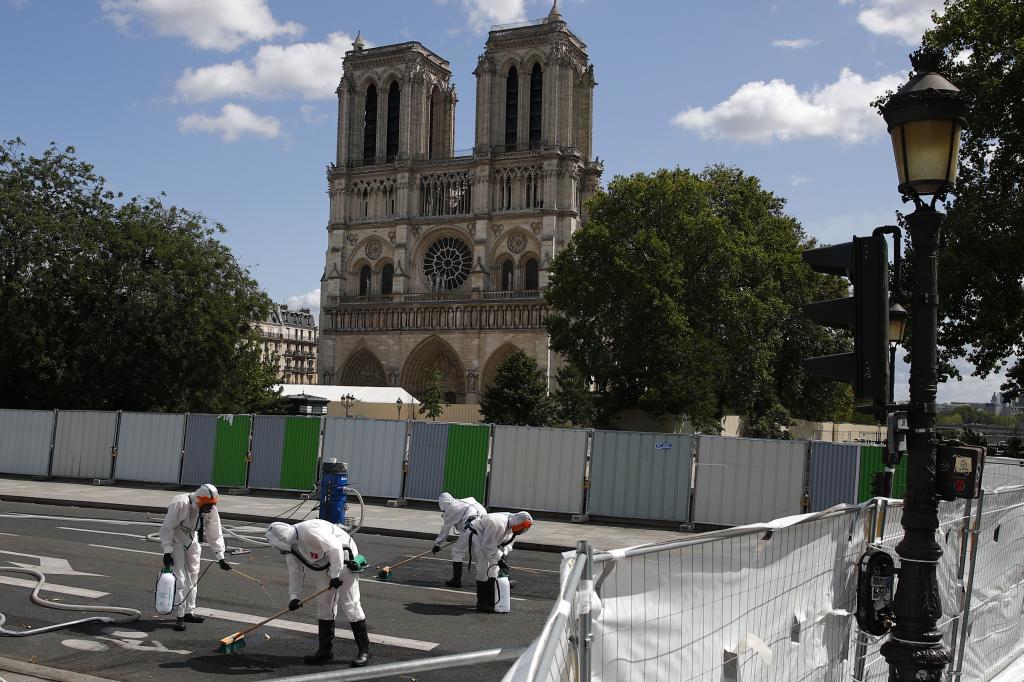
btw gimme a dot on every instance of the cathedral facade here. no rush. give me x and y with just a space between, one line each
437 258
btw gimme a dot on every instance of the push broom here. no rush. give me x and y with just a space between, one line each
236 642
385 573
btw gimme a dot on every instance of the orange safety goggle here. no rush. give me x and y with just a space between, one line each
522 527
203 500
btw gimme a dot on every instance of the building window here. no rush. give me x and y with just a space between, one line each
536 101
446 263
370 125
364 281
511 108
531 279
506 275
387 277
394 104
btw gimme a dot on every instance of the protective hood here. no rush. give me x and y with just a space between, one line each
206 494
520 522
282 536
444 500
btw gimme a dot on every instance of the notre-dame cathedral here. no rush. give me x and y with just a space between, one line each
437 258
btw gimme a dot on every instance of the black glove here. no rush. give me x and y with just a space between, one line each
224 565
335 583
294 604
502 566
436 549
168 560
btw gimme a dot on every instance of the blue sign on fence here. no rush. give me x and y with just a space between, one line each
662 446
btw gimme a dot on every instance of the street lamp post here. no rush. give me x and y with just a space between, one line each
347 400
924 120
398 403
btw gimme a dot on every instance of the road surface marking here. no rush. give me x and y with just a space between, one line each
142 551
422 587
523 568
104 532
84 645
44 517
309 628
53 587
11 534
49 565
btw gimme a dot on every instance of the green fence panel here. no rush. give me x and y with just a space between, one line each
465 467
230 450
871 462
301 446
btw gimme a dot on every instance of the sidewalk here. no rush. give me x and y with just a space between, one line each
19 671
545 536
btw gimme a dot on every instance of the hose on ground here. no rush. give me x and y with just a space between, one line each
132 614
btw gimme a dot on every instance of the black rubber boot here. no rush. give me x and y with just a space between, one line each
323 654
193 618
179 625
456 580
485 595
362 638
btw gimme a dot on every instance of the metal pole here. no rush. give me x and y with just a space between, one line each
915 650
965 538
586 622
966 624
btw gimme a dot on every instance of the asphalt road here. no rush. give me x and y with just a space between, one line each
105 553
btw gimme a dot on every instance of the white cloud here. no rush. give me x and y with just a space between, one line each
233 122
309 70
311 114
481 14
762 112
310 299
903 19
797 180
795 44
217 25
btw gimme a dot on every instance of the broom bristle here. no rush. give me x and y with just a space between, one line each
231 643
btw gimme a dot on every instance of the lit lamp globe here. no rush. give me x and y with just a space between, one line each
925 118
897 323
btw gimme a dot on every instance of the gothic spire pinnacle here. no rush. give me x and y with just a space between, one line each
358 43
554 14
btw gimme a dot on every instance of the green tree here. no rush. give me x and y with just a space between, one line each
432 401
682 295
982 260
108 303
574 401
519 394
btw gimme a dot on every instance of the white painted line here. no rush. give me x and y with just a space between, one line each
309 628
53 587
423 587
11 534
104 532
522 568
142 551
46 517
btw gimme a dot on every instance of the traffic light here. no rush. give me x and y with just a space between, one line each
881 483
865 261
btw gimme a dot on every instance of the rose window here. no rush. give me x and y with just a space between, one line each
447 263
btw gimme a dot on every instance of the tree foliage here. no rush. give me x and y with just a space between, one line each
108 303
982 261
682 295
519 394
574 401
432 400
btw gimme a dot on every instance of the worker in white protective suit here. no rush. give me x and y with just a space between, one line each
191 520
490 535
330 554
456 514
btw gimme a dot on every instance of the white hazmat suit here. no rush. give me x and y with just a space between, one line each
179 536
455 514
492 538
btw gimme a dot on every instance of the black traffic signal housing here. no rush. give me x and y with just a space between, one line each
865 261
881 483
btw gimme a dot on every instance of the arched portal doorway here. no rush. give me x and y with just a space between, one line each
362 369
491 368
435 353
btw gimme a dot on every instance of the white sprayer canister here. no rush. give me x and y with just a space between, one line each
504 603
165 592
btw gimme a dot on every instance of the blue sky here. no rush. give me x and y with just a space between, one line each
228 106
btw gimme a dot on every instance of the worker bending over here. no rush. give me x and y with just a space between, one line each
491 535
457 514
191 520
331 554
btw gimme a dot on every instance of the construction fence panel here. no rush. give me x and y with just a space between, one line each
427 451
872 461
301 450
25 437
537 468
372 448
747 480
640 475
1001 472
834 474
231 450
200 439
267 452
465 461
83 444
149 447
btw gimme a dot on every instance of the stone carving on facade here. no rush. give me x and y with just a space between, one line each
393 376
471 229
415 229
374 248
352 239
472 376
536 226
517 242
393 236
484 64
498 229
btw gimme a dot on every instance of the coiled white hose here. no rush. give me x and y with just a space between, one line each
133 615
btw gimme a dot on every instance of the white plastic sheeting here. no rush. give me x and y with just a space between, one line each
149 447
373 450
746 480
1000 472
25 437
640 475
83 444
538 469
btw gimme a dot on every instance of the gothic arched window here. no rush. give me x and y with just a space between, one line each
531 280
387 278
364 281
506 275
370 125
511 109
536 102
431 118
394 103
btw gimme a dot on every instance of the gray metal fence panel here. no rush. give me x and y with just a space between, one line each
25 441
149 447
835 473
747 480
1000 472
83 444
200 438
267 451
427 453
538 469
373 450
640 475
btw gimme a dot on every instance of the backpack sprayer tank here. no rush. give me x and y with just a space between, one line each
333 500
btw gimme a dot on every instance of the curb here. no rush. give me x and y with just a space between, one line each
258 518
42 672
